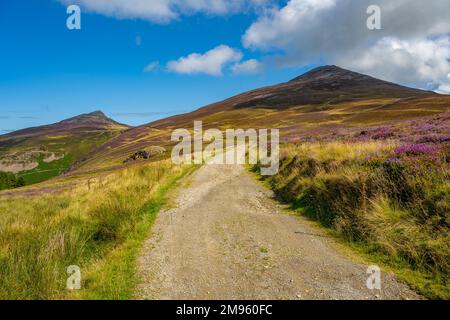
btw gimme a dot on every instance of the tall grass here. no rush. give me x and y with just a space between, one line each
40 237
397 211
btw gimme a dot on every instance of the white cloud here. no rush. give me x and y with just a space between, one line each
163 11
412 48
443 89
151 66
211 62
285 22
153 10
418 62
246 67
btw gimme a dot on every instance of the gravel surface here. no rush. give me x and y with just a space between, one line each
228 239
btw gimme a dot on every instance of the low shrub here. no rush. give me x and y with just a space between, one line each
10 181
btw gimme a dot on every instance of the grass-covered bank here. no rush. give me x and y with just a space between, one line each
100 230
388 199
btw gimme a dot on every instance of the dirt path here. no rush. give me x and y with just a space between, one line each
228 239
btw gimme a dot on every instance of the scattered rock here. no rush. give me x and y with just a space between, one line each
146 154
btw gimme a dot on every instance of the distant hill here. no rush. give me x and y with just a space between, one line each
323 86
95 121
323 100
39 153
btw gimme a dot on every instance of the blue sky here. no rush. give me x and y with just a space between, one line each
201 51
48 73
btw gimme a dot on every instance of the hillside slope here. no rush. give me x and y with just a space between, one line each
39 153
323 100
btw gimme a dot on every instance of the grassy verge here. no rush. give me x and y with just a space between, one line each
100 229
389 202
115 276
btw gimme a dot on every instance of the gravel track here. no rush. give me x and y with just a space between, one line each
228 239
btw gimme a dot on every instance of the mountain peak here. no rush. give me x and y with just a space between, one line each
320 86
93 117
330 72
97 113
94 121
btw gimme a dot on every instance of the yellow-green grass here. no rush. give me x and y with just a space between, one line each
395 218
99 228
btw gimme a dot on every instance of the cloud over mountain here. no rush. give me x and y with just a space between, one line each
412 47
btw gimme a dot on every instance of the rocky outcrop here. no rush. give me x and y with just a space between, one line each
146 154
16 167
